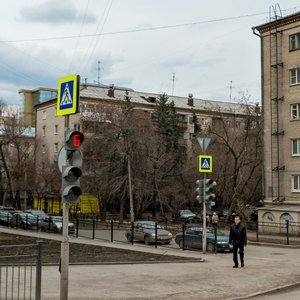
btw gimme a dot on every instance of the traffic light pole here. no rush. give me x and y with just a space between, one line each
204 218
64 254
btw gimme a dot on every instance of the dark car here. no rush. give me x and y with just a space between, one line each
37 213
193 239
5 218
145 231
24 220
7 209
186 215
54 224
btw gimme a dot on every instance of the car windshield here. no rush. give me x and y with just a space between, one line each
38 213
186 211
212 232
28 217
151 226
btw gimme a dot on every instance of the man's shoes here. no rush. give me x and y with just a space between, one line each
235 266
242 265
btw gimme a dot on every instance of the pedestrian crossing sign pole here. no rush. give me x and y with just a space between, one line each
205 163
68 95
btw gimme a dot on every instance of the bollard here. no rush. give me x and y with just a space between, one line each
132 232
77 227
155 234
94 223
183 236
216 237
111 231
287 232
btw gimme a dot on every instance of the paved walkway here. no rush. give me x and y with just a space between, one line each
266 268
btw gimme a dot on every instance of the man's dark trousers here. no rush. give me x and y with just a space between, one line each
236 247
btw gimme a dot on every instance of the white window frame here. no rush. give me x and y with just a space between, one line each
44 115
296 75
295 190
298 147
296 38
56 129
295 107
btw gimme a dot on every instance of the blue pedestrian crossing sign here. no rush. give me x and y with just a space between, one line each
68 95
205 163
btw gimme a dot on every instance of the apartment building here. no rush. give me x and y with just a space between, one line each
280 67
95 100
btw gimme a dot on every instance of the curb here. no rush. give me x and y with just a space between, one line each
270 291
273 245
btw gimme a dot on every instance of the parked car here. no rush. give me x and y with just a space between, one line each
5 218
193 239
145 231
186 215
7 209
24 220
54 224
37 213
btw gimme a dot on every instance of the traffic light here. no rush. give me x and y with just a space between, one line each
208 187
72 172
199 190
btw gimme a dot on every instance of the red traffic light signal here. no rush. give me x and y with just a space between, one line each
74 139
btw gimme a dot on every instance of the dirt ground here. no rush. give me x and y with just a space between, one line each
79 253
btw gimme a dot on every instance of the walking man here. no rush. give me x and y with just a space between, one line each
238 237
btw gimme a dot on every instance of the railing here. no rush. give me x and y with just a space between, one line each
21 275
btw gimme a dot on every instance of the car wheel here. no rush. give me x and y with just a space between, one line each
181 245
147 240
128 237
210 247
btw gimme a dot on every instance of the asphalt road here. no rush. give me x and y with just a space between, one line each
289 294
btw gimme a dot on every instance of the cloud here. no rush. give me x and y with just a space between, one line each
55 12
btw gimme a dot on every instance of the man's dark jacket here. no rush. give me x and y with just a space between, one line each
238 234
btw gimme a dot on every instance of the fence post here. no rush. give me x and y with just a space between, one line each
166 223
77 227
94 228
287 232
183 236
132 232
8 220
38 288
26 221
257 230
37 223
111 231
49 227
155 234
216 235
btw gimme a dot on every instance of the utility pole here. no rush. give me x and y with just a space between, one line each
173 83
99 68
230 90
204 213
130 190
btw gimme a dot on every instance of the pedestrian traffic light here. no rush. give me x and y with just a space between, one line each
71 172
208 187
199 190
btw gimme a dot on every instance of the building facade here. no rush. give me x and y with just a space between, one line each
280 66
30 98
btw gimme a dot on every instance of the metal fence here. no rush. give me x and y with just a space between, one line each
21 274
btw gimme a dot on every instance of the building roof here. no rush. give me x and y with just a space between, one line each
279 22
95 92
283 208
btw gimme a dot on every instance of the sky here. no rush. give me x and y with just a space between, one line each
43 40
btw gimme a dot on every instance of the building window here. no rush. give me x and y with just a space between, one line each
191 120
180 118
295 183
227 123
44 149
295 41
44 115
55 129
44 131
295 111
296 147
295 76
55 147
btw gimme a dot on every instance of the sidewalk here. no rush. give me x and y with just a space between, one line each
266 268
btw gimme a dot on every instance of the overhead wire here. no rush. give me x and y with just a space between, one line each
134 30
